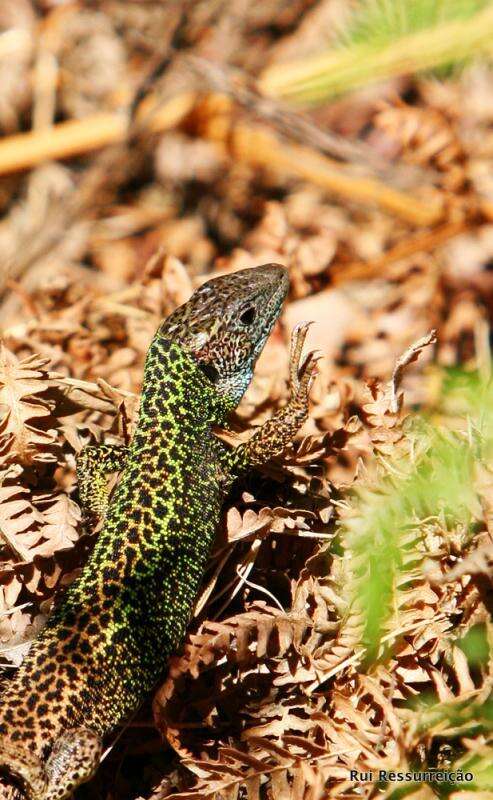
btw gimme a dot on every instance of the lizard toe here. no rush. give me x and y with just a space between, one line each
73 760
25 768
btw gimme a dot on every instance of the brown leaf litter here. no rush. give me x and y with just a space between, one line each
273 694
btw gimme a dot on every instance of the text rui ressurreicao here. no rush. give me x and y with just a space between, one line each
428 776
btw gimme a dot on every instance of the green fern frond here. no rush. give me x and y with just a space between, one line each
384 535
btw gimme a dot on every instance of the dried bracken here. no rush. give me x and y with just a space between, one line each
344 622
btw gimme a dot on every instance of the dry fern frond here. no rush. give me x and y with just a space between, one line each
292 773
25 435
40 577
19 521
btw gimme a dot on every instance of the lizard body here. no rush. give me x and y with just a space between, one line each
106 643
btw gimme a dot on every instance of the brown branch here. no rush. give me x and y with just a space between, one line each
258 146
425 241
243 90
75 137
249 143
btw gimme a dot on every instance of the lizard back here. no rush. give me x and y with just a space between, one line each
103 647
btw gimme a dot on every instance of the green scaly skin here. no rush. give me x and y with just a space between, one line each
105 645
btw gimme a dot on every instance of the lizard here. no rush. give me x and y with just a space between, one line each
106 643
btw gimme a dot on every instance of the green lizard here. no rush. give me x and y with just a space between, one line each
105 644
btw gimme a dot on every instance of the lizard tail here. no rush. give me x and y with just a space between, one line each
22 774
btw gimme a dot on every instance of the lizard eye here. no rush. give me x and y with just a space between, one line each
248 315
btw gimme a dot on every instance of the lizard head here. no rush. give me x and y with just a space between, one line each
226 322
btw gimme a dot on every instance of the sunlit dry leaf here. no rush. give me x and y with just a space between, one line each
22 439
61 517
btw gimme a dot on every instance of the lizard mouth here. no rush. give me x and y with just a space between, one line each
275 292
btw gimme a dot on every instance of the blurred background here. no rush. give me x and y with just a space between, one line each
145 146
349 140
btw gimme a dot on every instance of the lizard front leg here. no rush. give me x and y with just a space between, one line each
272 438
94 463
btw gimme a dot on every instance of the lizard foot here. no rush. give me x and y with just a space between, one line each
74 760
19 763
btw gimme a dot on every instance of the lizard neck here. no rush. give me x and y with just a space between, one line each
176 388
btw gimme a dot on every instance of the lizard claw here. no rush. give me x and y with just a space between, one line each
308 371
302 369
298 337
